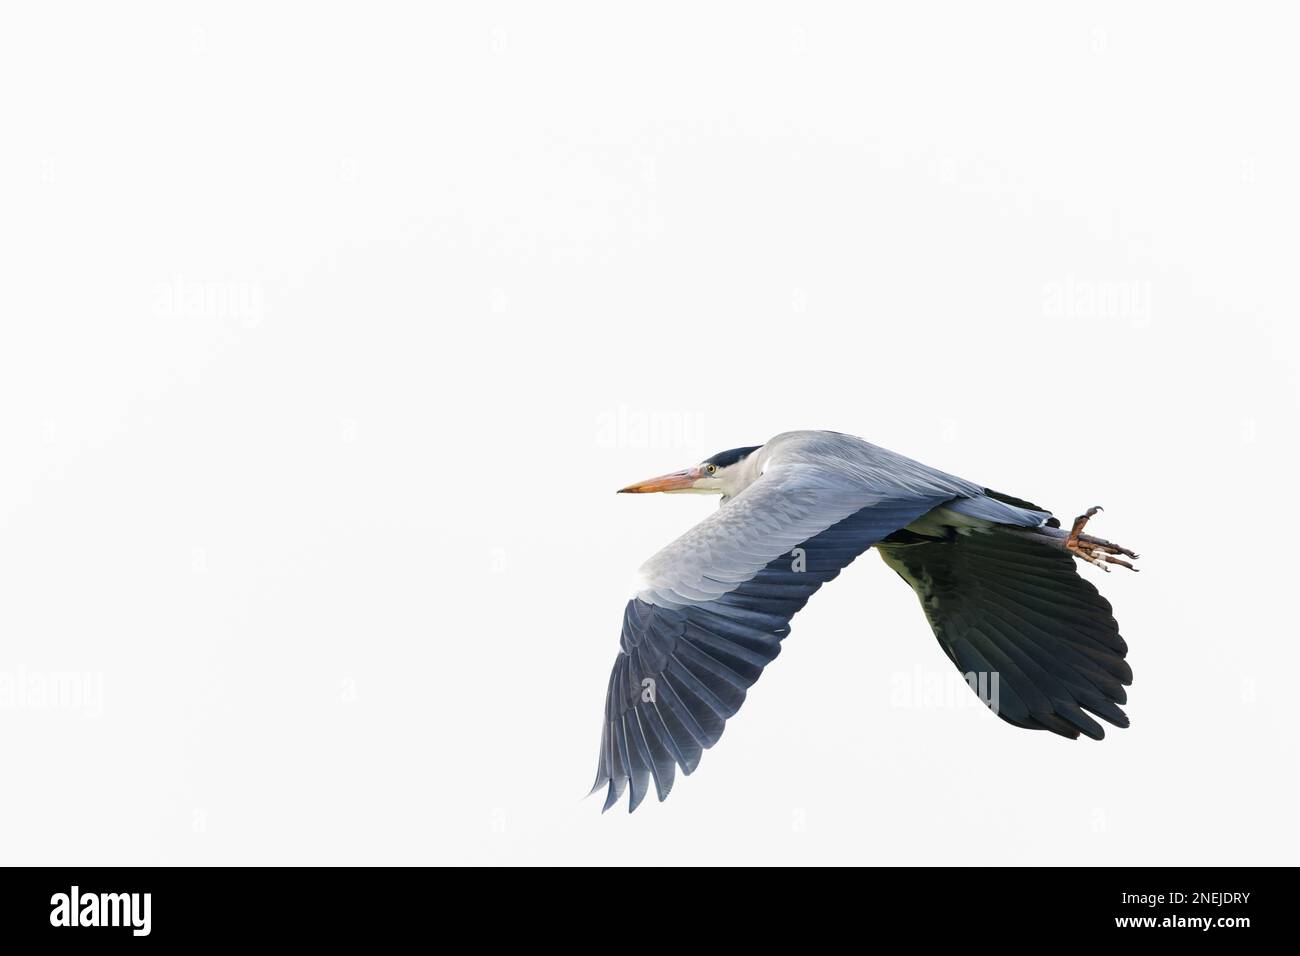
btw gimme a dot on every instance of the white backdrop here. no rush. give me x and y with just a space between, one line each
329 332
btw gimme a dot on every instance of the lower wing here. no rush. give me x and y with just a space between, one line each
1012 610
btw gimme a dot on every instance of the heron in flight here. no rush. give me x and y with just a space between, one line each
995 575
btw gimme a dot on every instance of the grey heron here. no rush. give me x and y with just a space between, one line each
995 575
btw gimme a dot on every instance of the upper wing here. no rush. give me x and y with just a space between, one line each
716 603
1014 611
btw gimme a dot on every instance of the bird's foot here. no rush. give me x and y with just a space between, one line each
1096 551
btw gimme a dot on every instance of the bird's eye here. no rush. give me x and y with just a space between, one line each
711 469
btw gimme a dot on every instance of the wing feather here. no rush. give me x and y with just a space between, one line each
1004 603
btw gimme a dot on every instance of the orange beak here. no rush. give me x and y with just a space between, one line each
677 481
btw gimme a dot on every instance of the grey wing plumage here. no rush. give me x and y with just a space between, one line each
810 481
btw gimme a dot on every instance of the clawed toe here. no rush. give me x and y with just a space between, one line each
1096 551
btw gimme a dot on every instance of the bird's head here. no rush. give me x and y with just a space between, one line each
726 473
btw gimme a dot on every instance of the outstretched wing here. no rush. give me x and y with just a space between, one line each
716 603
1014 610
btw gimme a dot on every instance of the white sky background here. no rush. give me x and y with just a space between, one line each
328 334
